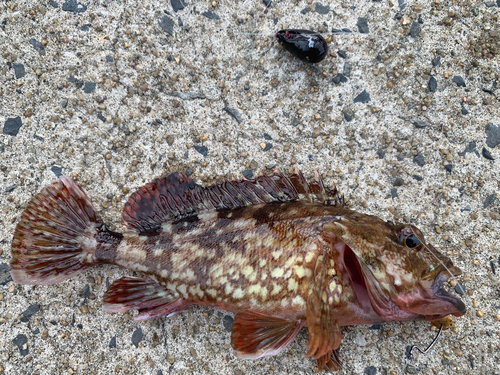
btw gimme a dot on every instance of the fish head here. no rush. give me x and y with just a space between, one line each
392 269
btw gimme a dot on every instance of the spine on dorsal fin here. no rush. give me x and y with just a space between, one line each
176 197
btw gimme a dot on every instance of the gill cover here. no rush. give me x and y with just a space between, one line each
394 268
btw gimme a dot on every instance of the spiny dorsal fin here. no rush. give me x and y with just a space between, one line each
176 197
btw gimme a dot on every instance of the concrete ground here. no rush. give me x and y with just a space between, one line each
403 114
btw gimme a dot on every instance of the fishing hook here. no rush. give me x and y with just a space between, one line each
409 355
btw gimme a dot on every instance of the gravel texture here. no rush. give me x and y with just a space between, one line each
405 118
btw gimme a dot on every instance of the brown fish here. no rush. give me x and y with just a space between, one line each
278 251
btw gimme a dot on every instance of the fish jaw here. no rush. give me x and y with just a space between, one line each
431 300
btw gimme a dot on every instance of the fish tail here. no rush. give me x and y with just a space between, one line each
58 236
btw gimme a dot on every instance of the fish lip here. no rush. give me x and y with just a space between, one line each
440 292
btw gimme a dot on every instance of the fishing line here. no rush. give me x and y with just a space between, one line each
409 355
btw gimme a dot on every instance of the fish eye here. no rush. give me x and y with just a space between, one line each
412 241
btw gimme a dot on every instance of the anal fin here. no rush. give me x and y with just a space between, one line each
257 335
145 295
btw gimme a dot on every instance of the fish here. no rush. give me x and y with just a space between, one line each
307 45
280 252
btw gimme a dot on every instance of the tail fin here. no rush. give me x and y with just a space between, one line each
56 236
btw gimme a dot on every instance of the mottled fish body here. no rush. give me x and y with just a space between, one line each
278 251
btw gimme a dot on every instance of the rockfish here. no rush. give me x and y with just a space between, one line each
280 252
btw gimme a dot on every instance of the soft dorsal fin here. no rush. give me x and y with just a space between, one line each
176 197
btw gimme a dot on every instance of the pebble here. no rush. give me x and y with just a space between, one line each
19 70
38 46
194 354
419 160
89 87
228 320
363 97
203 150
322 9
464 110
471 148
394 193
339 78
459 81
178 5
112 342
4 274
235 114
432 84
415 30
85 293
56 170
29 312
420 124
371 370
487 154
489 200
20 341
137 337
211 15
362 25
74 6
12 126
347 69
492 135
347 117
266 146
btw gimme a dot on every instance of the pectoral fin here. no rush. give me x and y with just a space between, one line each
330 361
257 335
324 331
145 295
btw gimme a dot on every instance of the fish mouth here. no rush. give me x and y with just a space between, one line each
440 292
429 299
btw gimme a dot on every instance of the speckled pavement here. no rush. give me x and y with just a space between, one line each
403 114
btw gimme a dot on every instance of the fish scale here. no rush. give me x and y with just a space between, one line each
280 252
